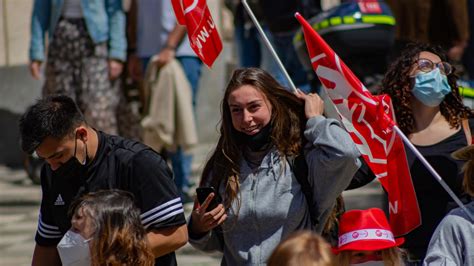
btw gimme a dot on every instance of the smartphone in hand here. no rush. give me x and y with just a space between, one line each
203 192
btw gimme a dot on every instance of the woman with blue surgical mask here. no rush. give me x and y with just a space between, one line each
431 81
431 113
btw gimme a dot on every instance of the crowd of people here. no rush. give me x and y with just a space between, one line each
278 169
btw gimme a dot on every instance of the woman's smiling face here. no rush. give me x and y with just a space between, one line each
250 110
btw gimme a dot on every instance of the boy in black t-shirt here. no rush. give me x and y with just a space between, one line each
80 160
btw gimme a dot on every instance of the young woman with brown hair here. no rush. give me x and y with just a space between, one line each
263 128
106 230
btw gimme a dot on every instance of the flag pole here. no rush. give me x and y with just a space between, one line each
433 171
269 45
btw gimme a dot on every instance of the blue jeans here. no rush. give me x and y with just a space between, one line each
283 44
181 161
252 51
248 46
192 68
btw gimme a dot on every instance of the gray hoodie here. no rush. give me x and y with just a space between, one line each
453 241
272 203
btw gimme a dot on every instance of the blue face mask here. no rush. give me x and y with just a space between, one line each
431 88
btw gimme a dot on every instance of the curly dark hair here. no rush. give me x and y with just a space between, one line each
398 84
288 121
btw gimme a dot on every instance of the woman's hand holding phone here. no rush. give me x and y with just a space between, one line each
202 221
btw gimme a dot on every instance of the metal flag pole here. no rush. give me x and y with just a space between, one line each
269 45
433 172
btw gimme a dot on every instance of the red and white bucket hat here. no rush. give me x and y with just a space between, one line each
365 230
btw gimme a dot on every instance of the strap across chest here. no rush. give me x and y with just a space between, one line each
467 131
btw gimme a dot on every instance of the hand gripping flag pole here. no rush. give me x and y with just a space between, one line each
269 45
368 120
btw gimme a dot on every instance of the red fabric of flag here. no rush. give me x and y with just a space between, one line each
202 31
369 120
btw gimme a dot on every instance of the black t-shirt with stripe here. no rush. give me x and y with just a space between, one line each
120 164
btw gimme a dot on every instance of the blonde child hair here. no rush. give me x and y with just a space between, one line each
303 248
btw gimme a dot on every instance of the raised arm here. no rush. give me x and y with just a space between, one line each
331 156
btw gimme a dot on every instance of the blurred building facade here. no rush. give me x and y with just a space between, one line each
17 88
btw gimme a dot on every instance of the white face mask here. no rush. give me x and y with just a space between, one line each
369 263
74 250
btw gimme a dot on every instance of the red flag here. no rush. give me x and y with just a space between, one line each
202 31
369 120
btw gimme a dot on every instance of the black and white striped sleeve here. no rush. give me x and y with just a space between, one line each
155 192
161 213
47 232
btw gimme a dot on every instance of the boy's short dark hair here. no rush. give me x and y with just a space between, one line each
54 116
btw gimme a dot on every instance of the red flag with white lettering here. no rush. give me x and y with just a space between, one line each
369 120
202 31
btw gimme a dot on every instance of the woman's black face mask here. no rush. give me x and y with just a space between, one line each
257 141
73 168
